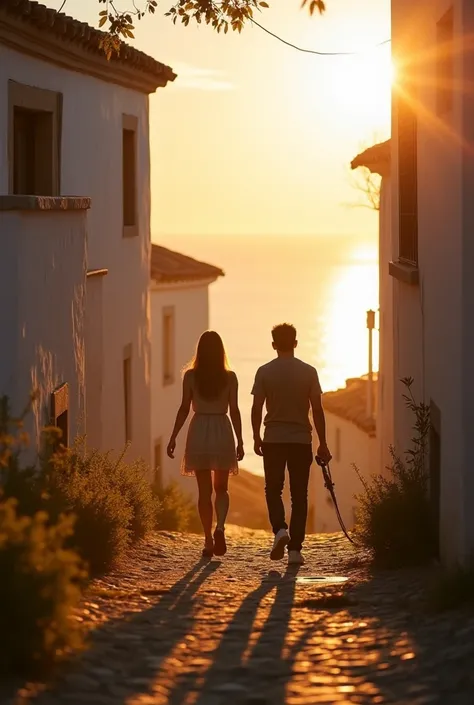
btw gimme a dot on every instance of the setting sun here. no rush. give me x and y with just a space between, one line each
361 83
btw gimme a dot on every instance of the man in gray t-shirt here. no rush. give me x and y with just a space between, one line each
288 387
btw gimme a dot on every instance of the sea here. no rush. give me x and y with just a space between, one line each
324 285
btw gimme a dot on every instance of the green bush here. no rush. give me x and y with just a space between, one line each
133 482
176 511
112 500
395 520
16 480
40 585
66 510
103 516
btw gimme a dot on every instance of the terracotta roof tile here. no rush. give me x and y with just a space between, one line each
375 158
350 403
61 26
168 266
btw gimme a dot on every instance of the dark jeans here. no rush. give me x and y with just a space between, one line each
298 457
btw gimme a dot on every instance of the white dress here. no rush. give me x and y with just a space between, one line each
210 443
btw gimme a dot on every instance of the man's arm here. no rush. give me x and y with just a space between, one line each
319 420
258 393
235 416
257 412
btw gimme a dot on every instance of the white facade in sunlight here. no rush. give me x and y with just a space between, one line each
43 289
179 294
427 260
352 439
72 122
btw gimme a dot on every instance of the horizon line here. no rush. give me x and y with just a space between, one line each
328 235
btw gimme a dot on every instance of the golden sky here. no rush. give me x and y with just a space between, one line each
255 137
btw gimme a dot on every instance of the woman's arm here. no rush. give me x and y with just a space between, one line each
235 414
182 414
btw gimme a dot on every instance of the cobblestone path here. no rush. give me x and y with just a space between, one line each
171 629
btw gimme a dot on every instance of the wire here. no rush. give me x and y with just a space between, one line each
312 51
293 46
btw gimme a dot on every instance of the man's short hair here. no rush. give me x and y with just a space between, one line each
284 337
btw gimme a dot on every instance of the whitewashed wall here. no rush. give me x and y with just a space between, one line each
191 311
42 287
357 447
385 383
94 358
92 166
433 321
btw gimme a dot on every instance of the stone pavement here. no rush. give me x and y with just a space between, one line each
171 629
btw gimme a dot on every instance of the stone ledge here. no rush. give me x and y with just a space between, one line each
404 272
11 202
97 272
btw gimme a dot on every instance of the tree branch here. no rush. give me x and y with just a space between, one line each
368 184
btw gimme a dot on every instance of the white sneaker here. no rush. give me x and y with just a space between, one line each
280 543
295 558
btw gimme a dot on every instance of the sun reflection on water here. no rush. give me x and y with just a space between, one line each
353 290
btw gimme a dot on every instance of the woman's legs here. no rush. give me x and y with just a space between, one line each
204 481
221 482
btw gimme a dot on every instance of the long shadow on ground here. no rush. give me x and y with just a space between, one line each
120 659
241 667
376 644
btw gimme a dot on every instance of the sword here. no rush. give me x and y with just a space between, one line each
329 485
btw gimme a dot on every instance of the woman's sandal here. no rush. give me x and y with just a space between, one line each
207 552
220 546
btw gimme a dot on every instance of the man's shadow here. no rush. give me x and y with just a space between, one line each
241 663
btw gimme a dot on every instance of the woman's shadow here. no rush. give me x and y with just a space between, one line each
167 622
243 664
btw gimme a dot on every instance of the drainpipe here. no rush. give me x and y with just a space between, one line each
370 381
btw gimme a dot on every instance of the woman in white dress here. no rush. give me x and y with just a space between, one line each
211 453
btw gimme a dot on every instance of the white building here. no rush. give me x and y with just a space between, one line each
427 262
377 160
72 122
179 289
351 436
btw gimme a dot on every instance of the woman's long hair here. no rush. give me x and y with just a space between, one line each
210 365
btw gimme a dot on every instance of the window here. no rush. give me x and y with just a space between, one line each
407 182
60 413
129 176
168 345
24 150
127 392
337 445
34 140
158 468
445 63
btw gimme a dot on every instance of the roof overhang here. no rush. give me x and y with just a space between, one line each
182 284
376 158
45 34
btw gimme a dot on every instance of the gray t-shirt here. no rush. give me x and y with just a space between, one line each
287 385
